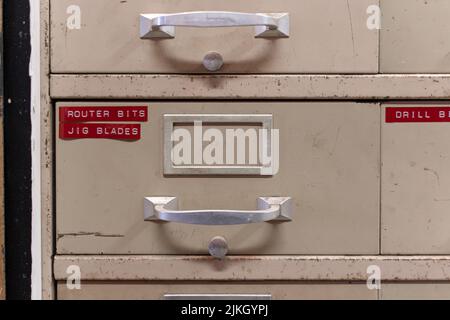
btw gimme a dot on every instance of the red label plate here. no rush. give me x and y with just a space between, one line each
94 113
99 131
417 114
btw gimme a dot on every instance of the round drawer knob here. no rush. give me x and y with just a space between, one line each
213 61
218 247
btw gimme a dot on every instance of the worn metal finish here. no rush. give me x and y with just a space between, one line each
332 154
326 36
315 87
157 290
408 208
414 36
170 120
415 291
269 209
305 268
415 183
162 25
47 154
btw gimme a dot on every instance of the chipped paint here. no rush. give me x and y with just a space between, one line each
305 268
35 75
176 86
42 224
317 87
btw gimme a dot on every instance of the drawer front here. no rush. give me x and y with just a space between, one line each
416 291
415 180
103 36
159 290
328 166
414 36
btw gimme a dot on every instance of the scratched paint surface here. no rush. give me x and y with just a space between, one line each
413 37
415 187
305 268
328 150
332 87
355 87
346 45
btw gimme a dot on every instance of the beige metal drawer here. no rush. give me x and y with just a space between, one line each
415 199
328 166
275 290
103 36
414 36
416 291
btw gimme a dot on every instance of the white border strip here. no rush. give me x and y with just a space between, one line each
35 74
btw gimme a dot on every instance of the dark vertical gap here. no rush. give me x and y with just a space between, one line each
380 190
17 130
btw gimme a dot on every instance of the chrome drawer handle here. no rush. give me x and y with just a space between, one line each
162 25
269 209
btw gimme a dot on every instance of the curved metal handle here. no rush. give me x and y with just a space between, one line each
162 25
269 209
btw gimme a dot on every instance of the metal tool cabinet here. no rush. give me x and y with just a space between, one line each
354 190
